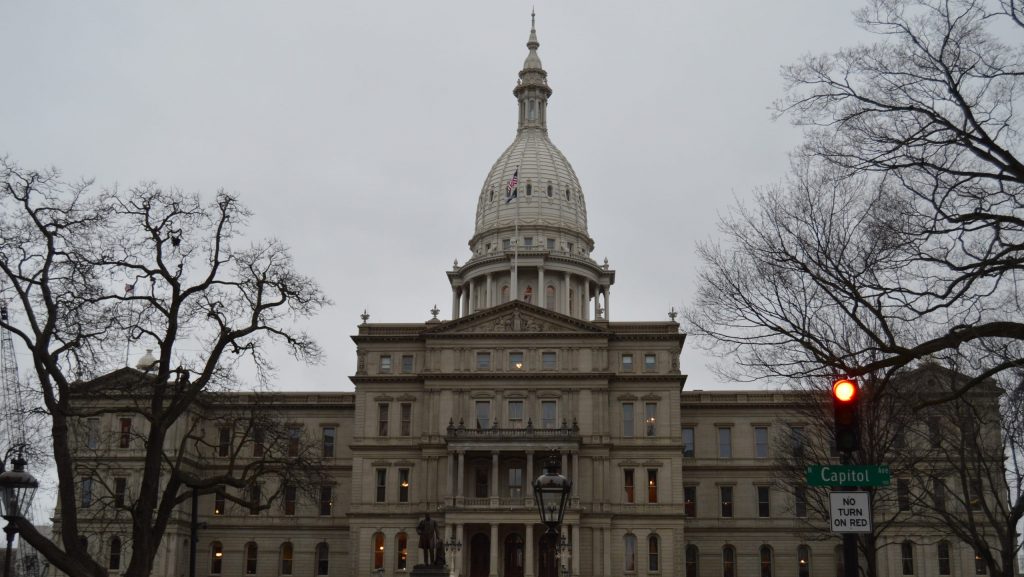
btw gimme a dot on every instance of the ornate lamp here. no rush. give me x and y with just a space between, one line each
17 488
551 491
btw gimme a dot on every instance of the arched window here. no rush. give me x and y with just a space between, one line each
629 558
652 553
529 189
378 550
115 554
907 557
766 561
549 298
492 194
216 557
551 190
567 194
504 293
803 560
251 554
692 554
402 548
286 558
728 561
323 557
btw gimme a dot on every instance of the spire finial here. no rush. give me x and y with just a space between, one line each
533 18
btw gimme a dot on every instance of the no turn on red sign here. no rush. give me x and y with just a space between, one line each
850 512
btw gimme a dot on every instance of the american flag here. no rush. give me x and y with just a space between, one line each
129 289
510 190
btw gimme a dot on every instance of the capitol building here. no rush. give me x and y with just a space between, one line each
456 416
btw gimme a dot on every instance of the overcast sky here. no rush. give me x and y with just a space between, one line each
360 133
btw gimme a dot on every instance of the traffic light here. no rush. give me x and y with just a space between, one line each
845 405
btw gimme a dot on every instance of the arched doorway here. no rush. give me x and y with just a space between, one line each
514 566
479 555
548 558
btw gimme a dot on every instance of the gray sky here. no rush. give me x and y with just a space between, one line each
360 133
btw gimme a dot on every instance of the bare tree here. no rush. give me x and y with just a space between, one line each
84 269
899 231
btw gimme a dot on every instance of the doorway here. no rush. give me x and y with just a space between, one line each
514 561
479 555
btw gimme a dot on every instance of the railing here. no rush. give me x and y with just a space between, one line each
563 433
499 503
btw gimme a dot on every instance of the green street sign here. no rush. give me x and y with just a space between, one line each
848 475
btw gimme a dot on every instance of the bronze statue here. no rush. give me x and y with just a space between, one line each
429 540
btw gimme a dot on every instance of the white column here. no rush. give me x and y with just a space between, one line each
469 297
490 290
608 302
462 474
465 300
597 298
565 295
514 276
542 291
529 482
528 552
460 537
494 473
455 303
576 552
576 474
608 552
565 464
494 550
451 473
586 300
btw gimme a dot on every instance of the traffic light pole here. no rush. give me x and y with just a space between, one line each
850 560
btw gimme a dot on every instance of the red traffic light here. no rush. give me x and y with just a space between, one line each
844 390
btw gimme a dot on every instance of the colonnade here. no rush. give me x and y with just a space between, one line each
457 473
466 301
458 561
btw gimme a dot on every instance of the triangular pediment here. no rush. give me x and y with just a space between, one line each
515 317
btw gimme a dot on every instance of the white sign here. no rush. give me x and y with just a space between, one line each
850 512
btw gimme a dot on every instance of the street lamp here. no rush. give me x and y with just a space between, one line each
551 491
17 488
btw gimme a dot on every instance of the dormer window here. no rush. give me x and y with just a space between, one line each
529 189
567 196
492 195
551 191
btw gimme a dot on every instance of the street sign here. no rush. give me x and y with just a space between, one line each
848 476
850 512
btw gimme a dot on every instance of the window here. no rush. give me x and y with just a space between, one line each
688 442
728 561
650 362
798 441
689 501
120 491
224 442
328 445
629 485
907 557
934 432
652 485
939 495
218 501
549 295
692 554
899 438
629 556
627 420
504 293
114 563
483 485
763 501
726 498
528 240
322 559
548 410
326 500
761 442
294 435
943 555
378 550
216 557
903 494
567 194
548 360
529 187
766 561
403 485
286 559
627 362
483 414
652 553
800 501
405 425
259 448
402 548
255 496
86 493
515 414
407 363
980 567
483 361
515 482
125 438
251 554
385 363
515 361
974 494
724 443
551 241
288 499
550 190
381 486
92 433
650 416
382 419
803 561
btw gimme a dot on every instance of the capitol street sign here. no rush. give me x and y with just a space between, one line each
848 475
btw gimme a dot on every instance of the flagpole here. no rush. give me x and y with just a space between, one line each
515 255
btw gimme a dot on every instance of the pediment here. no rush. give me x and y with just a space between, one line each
515 317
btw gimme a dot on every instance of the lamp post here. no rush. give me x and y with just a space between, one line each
551 491
17 488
